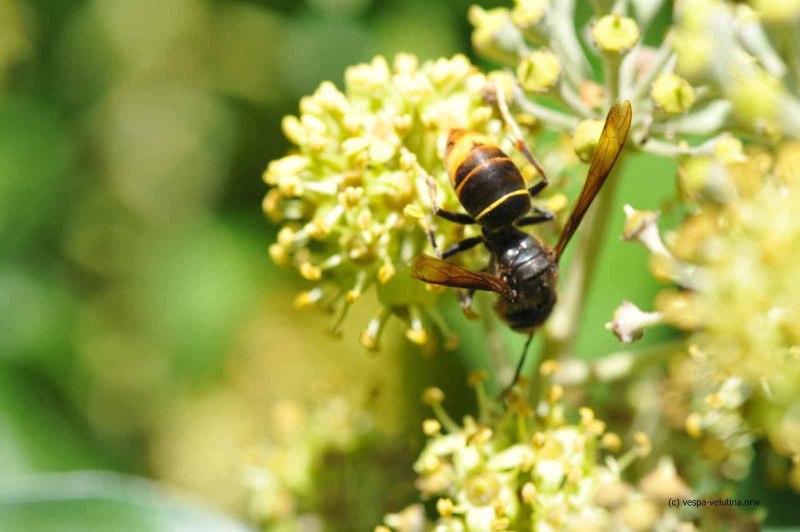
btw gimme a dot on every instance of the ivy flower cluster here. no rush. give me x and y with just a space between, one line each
750 66
534 469
354 205
280 475
735 260
353 198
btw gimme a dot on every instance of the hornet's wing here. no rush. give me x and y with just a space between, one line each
612 139
438 271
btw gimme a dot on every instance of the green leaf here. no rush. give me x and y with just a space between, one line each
90 501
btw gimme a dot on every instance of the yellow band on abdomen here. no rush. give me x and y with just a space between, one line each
497 202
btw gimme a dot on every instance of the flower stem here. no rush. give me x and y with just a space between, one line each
562 327
494 341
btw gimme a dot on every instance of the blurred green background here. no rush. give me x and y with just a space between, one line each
143 328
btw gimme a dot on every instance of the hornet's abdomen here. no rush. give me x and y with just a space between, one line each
527 266
534 301
486 181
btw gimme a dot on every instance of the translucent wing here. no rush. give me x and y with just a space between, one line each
438 271
612 139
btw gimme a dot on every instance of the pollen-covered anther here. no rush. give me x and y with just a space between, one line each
482 435
445 507
433 396
352 295
318 229
416 332
642 226
279 254
587 415
350 197
548 367
285 168
386 272
630 322
476 377
643 444
538 439
555 393
597 427
308 298
694 425
369 337
611 441
431 427
412 210
715 400
290 185
293 129
270 204
615 33
451 342
528 493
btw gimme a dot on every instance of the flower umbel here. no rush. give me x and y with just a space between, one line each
531 469
736 258
352 199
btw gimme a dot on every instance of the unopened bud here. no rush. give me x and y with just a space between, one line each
673 94
538 71
585 138
615 33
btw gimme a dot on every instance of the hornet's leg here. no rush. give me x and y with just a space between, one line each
464 245
541 216
519 141
454 217
519 366
465 302
464 297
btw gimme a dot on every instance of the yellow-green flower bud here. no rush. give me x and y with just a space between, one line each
729 149
615 33
693 49
673 94
538 71
755 98
494 35
527 15
703 178
433 396
585 138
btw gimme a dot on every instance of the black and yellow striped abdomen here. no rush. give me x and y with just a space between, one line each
486 181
